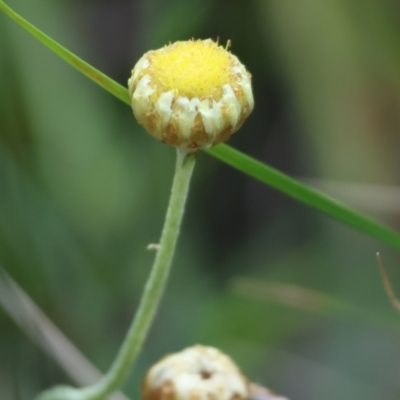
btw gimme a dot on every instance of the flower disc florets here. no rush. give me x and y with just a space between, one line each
191 94
196 373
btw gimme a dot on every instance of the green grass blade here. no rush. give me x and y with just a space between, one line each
305 194
92 73
232 157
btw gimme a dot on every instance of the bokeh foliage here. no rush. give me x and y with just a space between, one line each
84 190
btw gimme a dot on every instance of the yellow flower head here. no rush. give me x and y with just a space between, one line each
191 94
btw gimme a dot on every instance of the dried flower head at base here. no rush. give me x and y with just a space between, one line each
191 94
196 373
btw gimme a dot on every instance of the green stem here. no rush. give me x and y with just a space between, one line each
151 297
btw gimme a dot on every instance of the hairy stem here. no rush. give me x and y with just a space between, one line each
150 299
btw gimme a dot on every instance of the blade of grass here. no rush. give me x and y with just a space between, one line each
92 73
305 194
232 157
25 313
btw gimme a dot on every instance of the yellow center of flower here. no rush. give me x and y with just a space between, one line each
193 68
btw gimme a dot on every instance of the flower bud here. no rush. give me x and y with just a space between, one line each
196 373
191 94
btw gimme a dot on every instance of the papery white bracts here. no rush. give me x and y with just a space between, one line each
187 120
196 373
201 373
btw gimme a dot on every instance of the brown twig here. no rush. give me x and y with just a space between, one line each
387 285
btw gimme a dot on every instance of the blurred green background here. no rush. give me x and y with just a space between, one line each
83 191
